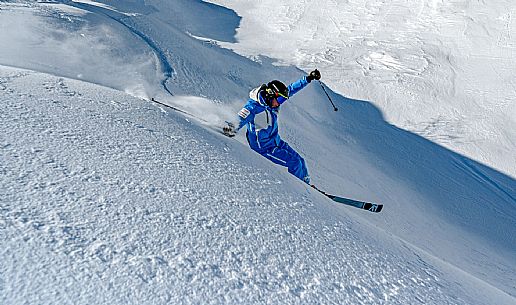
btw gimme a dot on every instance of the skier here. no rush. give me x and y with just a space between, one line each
260 114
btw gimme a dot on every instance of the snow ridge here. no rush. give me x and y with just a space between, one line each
124 20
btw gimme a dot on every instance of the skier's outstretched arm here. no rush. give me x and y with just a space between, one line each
296 86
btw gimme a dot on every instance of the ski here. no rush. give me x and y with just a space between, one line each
205 123
371 207
178 110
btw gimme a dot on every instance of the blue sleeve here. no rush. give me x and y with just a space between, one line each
294 88
245 115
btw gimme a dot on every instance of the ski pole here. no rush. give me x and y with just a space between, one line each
329 98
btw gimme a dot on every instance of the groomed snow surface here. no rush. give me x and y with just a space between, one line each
108 198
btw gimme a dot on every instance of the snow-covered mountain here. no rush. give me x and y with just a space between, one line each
106 197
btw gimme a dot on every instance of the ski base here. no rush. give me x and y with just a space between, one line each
368 206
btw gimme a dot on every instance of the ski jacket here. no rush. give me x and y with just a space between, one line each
261 119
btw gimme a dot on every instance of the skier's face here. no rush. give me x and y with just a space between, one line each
274 103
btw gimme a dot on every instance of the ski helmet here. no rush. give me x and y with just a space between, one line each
276 89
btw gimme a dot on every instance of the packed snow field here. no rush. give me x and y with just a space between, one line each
108 198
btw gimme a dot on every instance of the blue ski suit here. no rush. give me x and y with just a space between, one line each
262 130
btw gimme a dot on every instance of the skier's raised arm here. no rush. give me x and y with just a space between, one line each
296 86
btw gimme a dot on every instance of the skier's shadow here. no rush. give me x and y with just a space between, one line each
468 193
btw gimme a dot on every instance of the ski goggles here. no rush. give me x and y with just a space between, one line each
282 95
276 94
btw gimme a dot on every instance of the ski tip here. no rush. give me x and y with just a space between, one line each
373 207
379 208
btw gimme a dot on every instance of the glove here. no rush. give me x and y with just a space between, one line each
315 74
229 130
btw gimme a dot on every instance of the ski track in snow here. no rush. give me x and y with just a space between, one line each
54 34
165 66
107 199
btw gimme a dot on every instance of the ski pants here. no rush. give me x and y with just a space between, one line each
284 155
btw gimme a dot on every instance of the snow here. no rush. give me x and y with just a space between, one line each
108 198
443 70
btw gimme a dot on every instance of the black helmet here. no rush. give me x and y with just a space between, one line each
276 89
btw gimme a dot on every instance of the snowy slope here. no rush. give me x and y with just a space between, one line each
189 227
109 199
